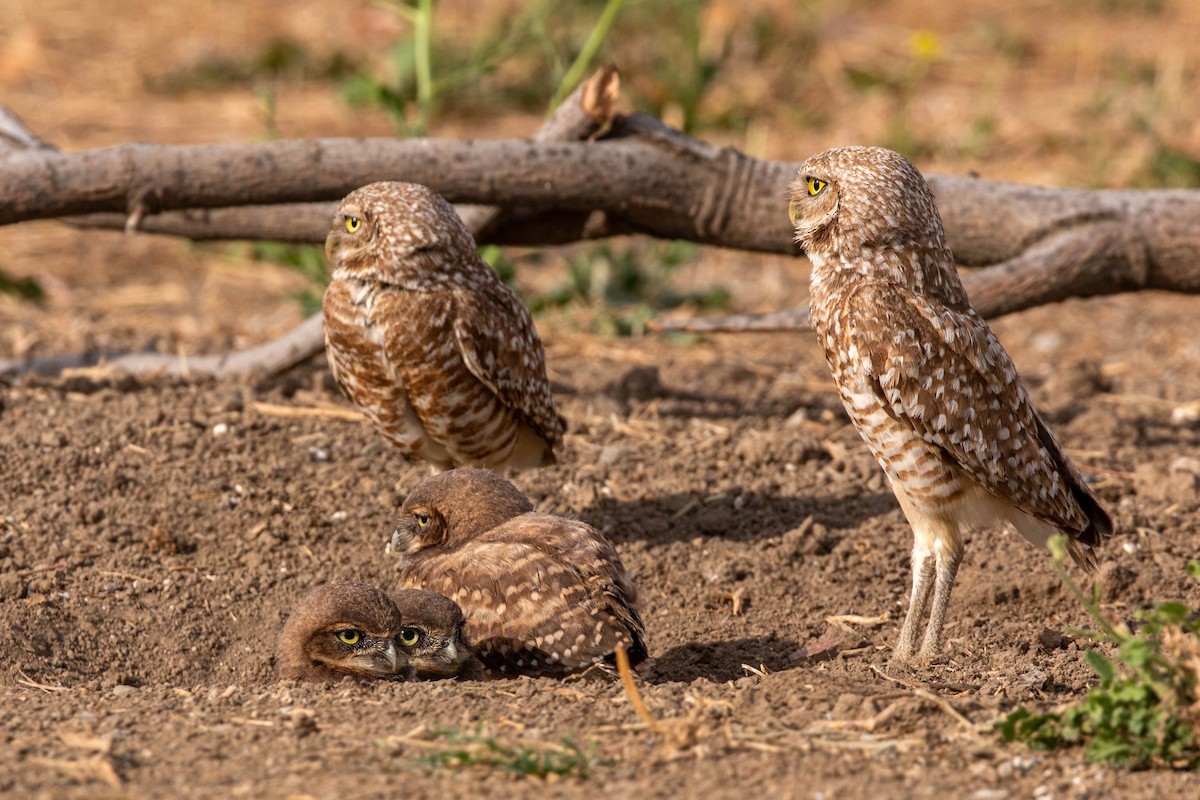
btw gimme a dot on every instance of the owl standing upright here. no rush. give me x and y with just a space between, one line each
924 379
425 339
542 595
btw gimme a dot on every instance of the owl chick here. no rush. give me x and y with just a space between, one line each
924 379
341 629
432 637
542 595
422 336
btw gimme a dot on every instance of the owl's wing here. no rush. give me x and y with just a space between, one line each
500 345
533 607
944 373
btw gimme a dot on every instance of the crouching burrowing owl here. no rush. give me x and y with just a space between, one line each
341 629
925 380
432 636
542 595
426 340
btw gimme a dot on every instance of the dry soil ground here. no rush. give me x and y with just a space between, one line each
155 532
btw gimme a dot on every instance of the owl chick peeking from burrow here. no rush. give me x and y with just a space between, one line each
432 638
426 340
341 629
542 595
924 379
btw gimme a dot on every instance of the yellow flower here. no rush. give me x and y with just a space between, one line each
925 46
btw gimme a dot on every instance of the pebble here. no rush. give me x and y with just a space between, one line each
123 690
612 454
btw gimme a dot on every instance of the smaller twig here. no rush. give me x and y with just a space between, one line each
635 697
894 679
275 410
944 704
25 680
856 619
126 575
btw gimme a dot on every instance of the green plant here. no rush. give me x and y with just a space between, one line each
307 259
1146 709
480 751
426 72
22 288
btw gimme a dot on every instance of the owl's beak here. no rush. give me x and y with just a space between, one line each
451 651
390 655
329 249
399 542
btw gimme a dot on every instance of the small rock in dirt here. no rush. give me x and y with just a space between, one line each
11 586
123 690
1050 640
220 429
823 650
317 454
612 454
1188 464
52 439
1185 416
1183 487
639 383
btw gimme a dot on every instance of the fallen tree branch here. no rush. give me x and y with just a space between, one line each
642 177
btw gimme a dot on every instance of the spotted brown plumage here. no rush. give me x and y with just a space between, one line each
542 595
341 629
425 339
924 379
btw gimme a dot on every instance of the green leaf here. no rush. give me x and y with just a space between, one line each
1172 612
1193 569
1100 663
1137 652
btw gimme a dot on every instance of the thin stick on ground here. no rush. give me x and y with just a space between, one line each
635 697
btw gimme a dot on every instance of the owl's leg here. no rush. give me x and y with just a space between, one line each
948 559
923 564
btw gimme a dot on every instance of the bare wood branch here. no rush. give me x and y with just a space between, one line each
643 177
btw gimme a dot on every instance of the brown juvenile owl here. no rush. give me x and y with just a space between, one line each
925 380
542 595
422 336
432 637
341 629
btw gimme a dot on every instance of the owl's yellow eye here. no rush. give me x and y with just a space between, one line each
422 520
815 185
348 636
354 223
410 636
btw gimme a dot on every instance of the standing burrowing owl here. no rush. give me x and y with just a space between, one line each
422 336
341 629
925 380
542 595
432 637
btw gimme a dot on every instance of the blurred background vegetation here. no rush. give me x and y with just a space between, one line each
1094 93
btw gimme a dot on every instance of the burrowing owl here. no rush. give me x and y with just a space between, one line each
543 595
432 637
422 336
925 380
339 629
